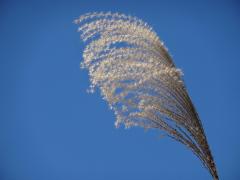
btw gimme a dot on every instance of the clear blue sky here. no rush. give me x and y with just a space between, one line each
51 129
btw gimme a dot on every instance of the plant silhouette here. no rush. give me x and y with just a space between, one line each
137 77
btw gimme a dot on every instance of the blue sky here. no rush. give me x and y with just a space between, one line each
50 128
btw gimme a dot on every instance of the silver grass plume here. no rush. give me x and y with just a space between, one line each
137 77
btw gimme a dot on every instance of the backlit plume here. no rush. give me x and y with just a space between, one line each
137 77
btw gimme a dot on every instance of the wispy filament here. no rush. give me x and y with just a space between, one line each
137 77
